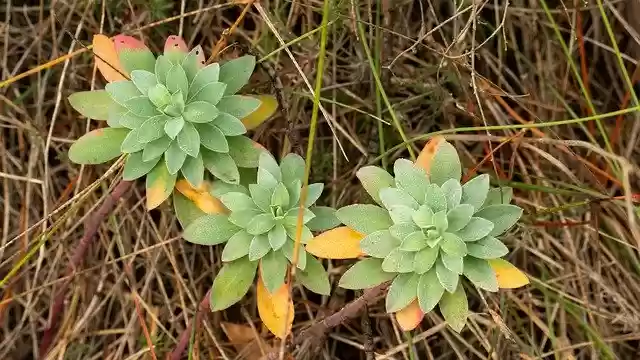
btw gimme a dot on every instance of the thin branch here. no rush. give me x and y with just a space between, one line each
91 228
183 341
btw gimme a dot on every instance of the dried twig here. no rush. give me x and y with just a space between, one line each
90 230
183 341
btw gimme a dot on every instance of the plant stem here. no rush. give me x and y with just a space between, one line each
183 341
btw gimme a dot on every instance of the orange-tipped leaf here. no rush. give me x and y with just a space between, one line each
201 197
509 276
428 152
107 59
268 106
339 243
175 43
275 310
410 317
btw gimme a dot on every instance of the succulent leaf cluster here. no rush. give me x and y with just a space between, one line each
173 117
260 228
428 232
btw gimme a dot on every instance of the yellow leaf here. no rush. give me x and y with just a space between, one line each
427 153
268 106
160 184
410 317
275 310
509 276
339 243
104 49
246 341
201 197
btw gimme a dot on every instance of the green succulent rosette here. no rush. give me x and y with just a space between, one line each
260 229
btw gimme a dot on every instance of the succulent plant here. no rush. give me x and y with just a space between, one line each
260 229
172 116
429 231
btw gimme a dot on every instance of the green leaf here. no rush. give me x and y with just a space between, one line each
398 261
314 277
266 179
379 244
306 233
98 146
498 196
261 224
206 75
162 67
435 198
452 262
291 216
425 259
480 273
141 106
274 268
445 164
487 248
152 128
474 191
411 179
221 166
177 80
503 217
391 197
237 246
238 106
144 80
242 218
122 91
211 229
313 193
400 231
159 95
415 241
236 73
261 196
136 59
440 221
211 93
121 116
176 106
454 308
401 214
459 217
287 250
364 218
193 170
269 164
159 185
364 274
232 283
92 104
294 190
325 218
135 167
453 245
174 157
280 196
374 179
452 193
292 168
429 291
243 152
236 201
186 210
219 188
190 63
259 247
476 229
229 125
402 292
212 138
200 112
423 217
155 148
277 236
173 126
131 144
448 279
189 140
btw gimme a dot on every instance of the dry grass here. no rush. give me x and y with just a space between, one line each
576 242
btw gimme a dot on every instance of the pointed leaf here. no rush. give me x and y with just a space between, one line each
474 191
152 129
92 104
364 218
144 80
379 244
429 290
411 179
268 106
435 198
122 91
210 93
391 197
410 317
107 59
448 279
452 262
236 201
503 217
229 125
339 243
277 237
415 241
131 144
364 274
452 192
325 218
487 248
133 54
193 62
232 283
313 193
135 167
173 126
236 73
261 224
193 170
162 67
400 231
210 230
398 261
98 146
459 217
177 80
238 106
259 247
498 196
374 179
445 165
201 197
314 277
189 140
174 157
425 259
200 112
237 246
186 210
423 217
275 309
261 196
121 116
212 138
476 229
141 106
242 218
480 273
159 185
287 250
207 75
221 166
425 158
273 268
454 308
453 245
402 292
292 168
509 276
243 151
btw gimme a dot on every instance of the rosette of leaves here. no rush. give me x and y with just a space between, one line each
427 232
260 232
172 116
